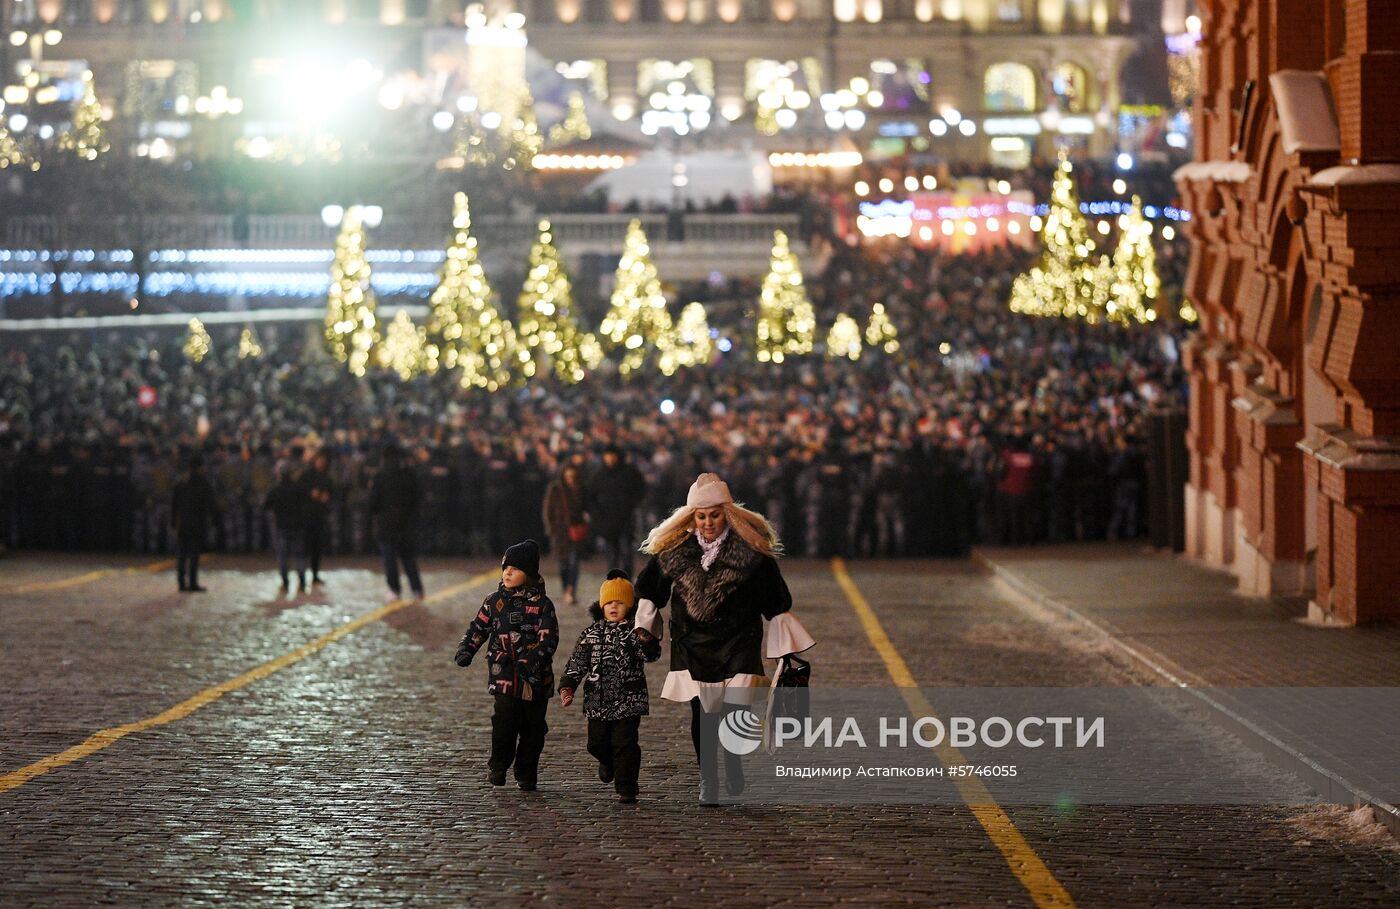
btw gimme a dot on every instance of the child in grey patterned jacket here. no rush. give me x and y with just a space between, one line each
610 657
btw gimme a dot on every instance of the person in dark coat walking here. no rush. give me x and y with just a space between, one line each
320 492
566 523
192 510
394 501
289 504
715 563
617 489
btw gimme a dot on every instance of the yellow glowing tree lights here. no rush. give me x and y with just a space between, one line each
1135 280
843 340
786 322
574 127
351 329
249 347
545 321
197 342
691 344
86 138
637 315
465 329
1070 280
525 138
880 332
405 347
11 154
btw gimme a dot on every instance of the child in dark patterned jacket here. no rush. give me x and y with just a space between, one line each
519 622
610 657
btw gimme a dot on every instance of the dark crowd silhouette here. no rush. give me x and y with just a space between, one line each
985 427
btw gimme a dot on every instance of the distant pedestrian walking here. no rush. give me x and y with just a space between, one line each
617 489
287 504
393 503
192 510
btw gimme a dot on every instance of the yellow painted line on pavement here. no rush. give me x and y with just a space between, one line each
1028 867
78 580
105 737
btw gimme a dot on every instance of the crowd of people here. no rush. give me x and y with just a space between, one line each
985 427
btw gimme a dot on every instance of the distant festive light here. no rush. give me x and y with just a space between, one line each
249 348
351 328
1070 280
637 320
691 342
786 320
465 330
404 350
880 332
1135 280
843 339
545 324
197 342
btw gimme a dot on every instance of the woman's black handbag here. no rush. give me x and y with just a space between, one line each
795 672
788 695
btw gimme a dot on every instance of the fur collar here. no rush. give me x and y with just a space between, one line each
704 591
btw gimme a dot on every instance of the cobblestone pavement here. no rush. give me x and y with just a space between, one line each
355 776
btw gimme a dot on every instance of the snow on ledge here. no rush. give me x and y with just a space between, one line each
1357 175
1306 116
1219 171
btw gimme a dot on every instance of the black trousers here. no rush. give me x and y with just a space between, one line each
704 734
315 545
517 736
618 546
187 565
614 743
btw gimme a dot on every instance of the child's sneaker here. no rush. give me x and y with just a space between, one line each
605 773
497 777
627 798
526 786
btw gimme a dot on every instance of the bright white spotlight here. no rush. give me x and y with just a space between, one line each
332 215
442 120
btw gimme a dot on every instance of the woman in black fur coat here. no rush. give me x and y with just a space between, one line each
715 564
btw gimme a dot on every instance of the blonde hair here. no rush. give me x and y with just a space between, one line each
752 527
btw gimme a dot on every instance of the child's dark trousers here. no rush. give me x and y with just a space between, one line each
614 743
517 736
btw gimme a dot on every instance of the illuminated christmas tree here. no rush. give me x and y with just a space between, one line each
525 138
405 347
86 138
574 127
843 340
465 329
545 322
11 154
249 347
351 328
786 323
475 145
637 317
1135 280
880 331
691 344
1070 280
197 342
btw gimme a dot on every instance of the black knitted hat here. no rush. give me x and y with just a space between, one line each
525 556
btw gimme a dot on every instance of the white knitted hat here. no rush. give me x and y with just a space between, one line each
707 491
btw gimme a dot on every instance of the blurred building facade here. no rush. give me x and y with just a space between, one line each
963 79
1295 385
